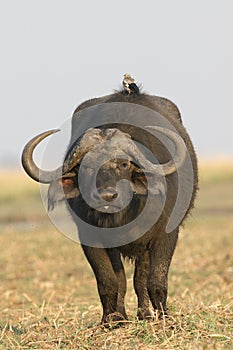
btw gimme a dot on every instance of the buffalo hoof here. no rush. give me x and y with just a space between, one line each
145 315
160 315
116 319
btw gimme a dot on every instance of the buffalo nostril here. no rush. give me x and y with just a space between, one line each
114 195
109 194
95 195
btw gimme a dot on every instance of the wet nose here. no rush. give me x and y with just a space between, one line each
108 194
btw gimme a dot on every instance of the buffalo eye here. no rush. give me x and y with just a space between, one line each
124 165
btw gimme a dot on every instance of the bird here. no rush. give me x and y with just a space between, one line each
129 85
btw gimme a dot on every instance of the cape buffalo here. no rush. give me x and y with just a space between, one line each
128 150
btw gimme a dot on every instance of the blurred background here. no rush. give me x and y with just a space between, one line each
56 54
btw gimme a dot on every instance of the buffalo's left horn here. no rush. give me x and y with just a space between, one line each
180 150
29 165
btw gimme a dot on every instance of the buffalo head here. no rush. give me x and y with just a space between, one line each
103 172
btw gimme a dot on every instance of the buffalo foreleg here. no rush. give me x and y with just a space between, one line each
107 282
140 285
118 268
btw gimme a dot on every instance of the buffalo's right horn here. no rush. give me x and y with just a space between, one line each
180 150
29 165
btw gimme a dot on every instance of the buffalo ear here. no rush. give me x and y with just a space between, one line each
60 190
140 182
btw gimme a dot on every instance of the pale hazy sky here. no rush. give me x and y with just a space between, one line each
55 54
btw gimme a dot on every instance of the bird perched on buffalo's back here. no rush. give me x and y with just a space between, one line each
129 85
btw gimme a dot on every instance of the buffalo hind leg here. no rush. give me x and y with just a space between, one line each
107 282
140 285
160 258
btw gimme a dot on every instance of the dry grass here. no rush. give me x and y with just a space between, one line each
48 292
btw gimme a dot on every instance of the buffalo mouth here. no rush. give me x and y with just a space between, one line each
107 220
112 216
108 208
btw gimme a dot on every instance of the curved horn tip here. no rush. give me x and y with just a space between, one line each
29 165
53 131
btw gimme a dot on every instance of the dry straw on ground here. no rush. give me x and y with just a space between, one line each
48 292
